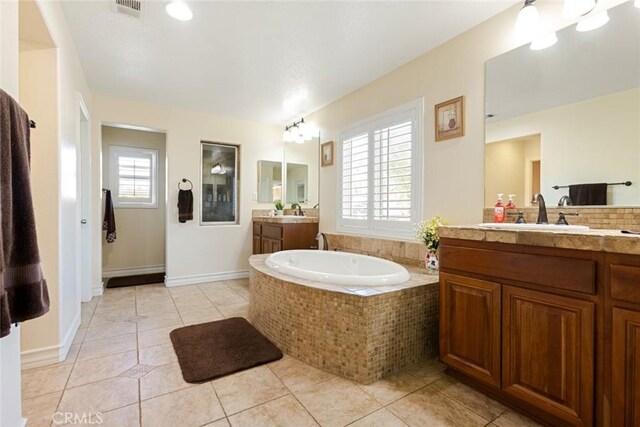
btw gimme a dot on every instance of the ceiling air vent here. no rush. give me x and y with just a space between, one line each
129 7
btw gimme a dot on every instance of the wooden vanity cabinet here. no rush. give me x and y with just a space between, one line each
624 285
273 237
520 324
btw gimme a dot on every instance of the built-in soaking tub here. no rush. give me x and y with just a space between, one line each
338 268
356 316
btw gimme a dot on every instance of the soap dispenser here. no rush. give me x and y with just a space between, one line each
510 204
499 213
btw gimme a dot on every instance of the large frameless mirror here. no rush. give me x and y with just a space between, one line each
219 185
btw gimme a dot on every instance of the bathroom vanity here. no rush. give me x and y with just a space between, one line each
546 322
279 233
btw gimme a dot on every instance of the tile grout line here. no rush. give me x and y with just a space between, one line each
135 299
293 394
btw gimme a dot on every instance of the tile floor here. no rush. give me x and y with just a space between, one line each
122 365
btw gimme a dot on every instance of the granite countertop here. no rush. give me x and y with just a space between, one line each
419 277
286 219
591 240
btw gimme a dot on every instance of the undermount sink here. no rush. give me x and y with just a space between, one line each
534 227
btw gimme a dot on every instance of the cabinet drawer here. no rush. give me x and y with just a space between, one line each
625 283
556 272
272 231
257 229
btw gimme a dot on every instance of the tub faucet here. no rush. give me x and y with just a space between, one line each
542 209
325 242
565 201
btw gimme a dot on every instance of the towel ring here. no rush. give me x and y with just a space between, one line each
186 180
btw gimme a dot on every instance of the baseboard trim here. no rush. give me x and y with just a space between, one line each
120 272
52 354
204 278
96 292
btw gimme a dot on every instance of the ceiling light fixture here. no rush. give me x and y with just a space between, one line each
299 132
575 8
528 20
179 10
592 21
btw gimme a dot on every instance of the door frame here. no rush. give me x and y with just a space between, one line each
85 239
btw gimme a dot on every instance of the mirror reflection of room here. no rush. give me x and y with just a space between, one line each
575 110
219 184
269 181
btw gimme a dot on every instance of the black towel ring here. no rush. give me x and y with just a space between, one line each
186 180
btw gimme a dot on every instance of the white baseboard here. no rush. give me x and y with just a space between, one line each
52 354
204 278
119 272
96 292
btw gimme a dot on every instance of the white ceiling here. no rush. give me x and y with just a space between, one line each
266 61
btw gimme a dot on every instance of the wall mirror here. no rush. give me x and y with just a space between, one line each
301 179
567 115
269 181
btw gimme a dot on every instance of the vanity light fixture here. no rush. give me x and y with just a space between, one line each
530 27
298 132
179 10
636 3
592 21
575 8
216 169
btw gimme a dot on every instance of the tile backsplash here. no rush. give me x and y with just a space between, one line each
594 217
408 253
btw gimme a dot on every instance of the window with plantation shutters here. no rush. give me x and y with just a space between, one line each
133 177
380 166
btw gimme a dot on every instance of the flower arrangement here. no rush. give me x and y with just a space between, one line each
427 232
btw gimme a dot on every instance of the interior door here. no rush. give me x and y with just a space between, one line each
84 192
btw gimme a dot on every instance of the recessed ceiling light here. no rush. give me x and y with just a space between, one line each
179 10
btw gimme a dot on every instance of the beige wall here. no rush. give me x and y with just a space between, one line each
141 232
196 253
597 140
453 172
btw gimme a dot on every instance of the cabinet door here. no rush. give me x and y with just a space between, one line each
548 350
276 245
470 326
266 245
626 368
257 245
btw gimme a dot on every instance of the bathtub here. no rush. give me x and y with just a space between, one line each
338 268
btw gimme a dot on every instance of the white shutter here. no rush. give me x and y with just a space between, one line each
355 178
134 177
392 172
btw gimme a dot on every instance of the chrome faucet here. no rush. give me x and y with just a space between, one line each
542 209
325 241
565 201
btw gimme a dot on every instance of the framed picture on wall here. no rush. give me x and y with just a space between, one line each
326 154
450 119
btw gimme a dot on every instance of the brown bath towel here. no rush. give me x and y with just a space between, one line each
109 221
588 194
185 205
23 289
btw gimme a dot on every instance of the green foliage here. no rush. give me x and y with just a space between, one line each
278 204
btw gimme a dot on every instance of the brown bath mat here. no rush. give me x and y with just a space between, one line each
214 349
141 279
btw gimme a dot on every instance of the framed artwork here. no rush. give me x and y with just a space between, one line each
450 119
326 154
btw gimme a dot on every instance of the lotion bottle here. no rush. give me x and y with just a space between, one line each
499 213
510 204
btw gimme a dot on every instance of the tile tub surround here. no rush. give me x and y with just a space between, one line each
360 334
598 217
593 240
402 252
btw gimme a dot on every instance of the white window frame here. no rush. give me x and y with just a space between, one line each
405 230
115 152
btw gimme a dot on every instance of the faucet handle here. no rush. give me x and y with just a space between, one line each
562 220
520 219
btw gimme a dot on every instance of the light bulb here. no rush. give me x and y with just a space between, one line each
637 4
179 10
527 22
575 8
217 168
545 41
591 22
286 136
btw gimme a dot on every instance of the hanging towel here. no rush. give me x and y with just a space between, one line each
23 289
588 194
185 205
109 221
